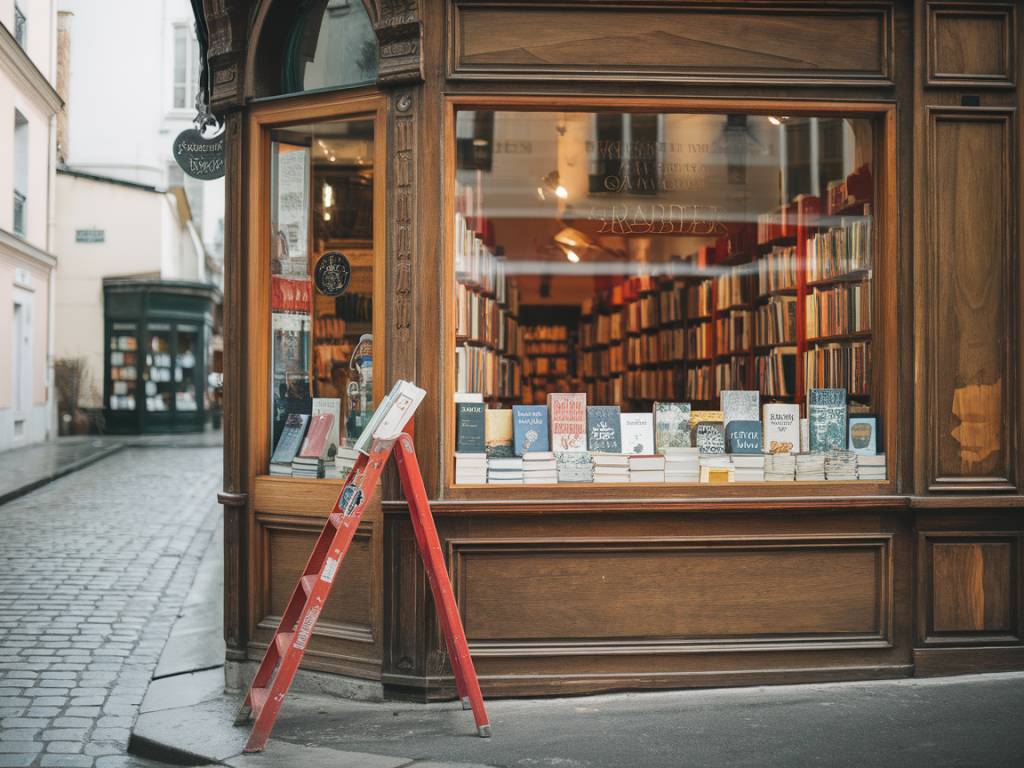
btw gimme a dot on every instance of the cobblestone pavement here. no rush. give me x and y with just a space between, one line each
95 567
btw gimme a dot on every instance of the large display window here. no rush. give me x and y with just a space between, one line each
668 297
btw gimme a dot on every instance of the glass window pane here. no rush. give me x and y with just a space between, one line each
330 45
159 372
123 367
322 283
716 265
180 66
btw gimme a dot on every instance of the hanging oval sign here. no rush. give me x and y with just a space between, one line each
332 273
198 156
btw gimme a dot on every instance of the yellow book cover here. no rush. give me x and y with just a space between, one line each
498 432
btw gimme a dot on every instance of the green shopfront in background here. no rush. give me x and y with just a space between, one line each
158 355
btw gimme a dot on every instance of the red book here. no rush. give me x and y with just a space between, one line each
315 444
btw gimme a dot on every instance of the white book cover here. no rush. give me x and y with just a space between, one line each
740 405
637 432
648 476
469 397
781 428
403 406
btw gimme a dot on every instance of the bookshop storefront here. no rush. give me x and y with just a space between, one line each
721 344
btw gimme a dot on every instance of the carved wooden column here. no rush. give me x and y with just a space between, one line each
226 22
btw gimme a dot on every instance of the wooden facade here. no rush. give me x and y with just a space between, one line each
604 588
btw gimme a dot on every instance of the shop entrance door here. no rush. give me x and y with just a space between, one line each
173 377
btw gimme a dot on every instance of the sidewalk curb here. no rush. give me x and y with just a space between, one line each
62 472
163 752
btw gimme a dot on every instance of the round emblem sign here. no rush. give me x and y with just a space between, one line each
198 156
332 273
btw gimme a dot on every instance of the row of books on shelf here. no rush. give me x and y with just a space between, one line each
566 424
481 369
482 319
838 311
840 251
546 366
777 270
776 322
675 465
845 364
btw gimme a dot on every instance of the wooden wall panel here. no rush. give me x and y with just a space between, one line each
348 637
838 44
971 45
619 594
970 586
972 310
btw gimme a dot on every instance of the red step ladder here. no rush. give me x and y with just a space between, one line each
277 670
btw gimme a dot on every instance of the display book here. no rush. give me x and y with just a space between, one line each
310 446
568 441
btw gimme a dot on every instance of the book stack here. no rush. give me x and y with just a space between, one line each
716 468
470 468
779 467
840 465
647 468
505 470
574 467
309 461
749 467
344 460
810 466
682 465
539 467
610 467
871 467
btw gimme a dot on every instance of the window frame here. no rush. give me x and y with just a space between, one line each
886 337
20 26
192 65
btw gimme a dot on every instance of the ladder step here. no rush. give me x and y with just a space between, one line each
257 698
284 642
308 582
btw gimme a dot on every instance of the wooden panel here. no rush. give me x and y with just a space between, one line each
971 343
348 612
969 587
708 42
627 596
974 587
971 45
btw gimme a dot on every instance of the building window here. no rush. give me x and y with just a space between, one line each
186 66
20 172
20 25
635 284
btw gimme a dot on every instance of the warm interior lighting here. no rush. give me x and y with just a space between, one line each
328 195
552 182
777 119
572 256
572 238
561 191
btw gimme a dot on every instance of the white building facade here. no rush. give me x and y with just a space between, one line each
128 213
28 107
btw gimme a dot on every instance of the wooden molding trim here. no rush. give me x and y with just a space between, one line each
229 499
675 39
946 22
938 662
400 37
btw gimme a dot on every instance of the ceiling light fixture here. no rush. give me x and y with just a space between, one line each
553 182
572 256
778 119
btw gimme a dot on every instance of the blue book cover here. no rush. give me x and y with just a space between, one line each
603 429
826 415
743 436
530 428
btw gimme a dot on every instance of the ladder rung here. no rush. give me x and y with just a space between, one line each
284 642
257 698
308 582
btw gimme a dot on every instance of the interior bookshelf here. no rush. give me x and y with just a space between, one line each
782 305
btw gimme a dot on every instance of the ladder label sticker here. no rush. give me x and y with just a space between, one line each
302 636
330 568
350 500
